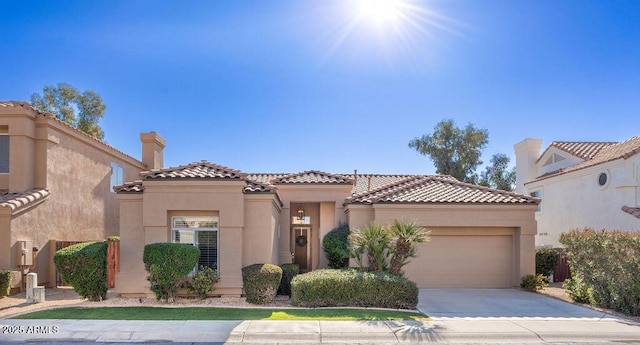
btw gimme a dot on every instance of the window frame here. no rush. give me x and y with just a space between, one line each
117 170
195 230
4 134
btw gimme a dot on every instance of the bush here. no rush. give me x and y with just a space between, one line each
5 283
533 283
607 262
288 272
546 261
203 281
260 282
354 288
167 264
579 291
336 246
84 266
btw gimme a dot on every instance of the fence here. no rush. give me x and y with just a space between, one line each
113 261
562 271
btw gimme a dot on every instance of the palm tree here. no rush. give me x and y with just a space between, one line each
406 235
373 239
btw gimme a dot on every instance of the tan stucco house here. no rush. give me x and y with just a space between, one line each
479 237
581 184
55 184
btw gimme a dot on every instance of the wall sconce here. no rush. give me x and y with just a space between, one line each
300 213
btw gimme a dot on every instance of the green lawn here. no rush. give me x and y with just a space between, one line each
211 313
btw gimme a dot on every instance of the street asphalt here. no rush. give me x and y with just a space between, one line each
470 316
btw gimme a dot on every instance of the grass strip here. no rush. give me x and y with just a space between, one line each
212 313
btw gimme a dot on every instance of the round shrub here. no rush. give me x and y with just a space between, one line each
260 282
167 264
533 283
336 246
353 288
203 281
546 261
84 266
5 283
288 272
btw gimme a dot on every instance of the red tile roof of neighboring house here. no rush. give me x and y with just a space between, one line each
312 177
198 170
634 211
438 189
581 149
130 187
26 105
622 150
17 201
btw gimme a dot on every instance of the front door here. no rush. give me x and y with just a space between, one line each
301 247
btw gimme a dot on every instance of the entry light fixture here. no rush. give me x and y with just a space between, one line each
300 213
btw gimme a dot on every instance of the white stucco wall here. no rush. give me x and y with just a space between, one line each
576 200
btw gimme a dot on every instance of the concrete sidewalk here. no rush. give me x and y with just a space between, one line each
447 330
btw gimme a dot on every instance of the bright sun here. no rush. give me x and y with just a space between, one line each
380 11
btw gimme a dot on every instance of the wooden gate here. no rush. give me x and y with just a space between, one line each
113 262
562 271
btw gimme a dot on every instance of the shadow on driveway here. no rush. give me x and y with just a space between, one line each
498 303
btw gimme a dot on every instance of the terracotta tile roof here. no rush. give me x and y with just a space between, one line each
312 177
622 150
16 201
369 182
265 178
26 105
197 170
130 188
634 211
258 187
582 149
438 189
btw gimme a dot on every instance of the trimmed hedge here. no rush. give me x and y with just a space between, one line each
260 282
354 288
546 261
336 246
5 283
605 266
288 272
84 266
168 264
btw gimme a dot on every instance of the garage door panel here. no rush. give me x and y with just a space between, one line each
482 260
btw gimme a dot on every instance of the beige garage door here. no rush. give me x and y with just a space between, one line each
469 258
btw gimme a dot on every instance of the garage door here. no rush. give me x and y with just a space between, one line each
464 258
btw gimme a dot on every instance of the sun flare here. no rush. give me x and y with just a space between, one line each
379 11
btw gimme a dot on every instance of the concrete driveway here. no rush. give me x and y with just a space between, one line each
502 303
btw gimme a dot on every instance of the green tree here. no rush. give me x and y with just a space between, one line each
406 236
374 240
454 151
63 100
498 175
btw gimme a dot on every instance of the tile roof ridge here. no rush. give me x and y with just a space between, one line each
407 179
194 165
631 152
560 146
49 115
308 172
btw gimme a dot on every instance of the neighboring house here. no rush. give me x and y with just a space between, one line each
581 184
480 237
55 184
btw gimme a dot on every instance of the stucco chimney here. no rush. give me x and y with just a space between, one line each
152 150
527 153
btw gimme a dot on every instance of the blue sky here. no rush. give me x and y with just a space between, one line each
285 86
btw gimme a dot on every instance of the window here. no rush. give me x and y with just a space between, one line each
4 152
117 175
199 231
602 179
